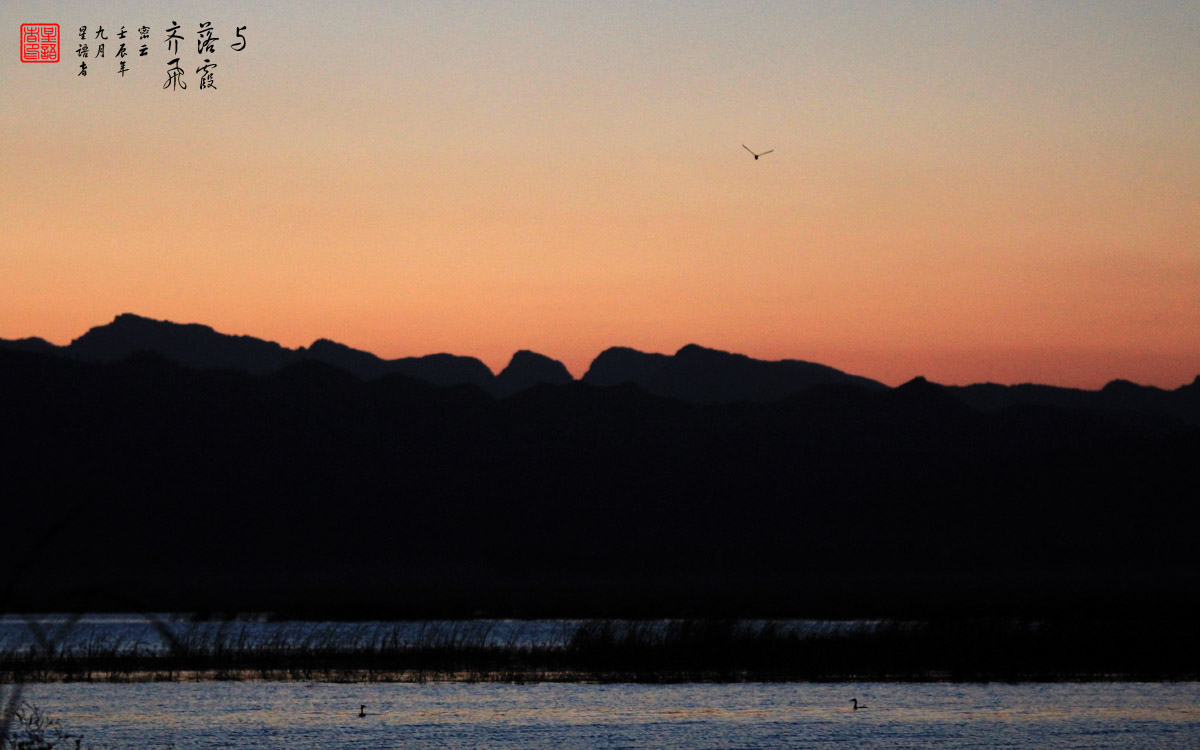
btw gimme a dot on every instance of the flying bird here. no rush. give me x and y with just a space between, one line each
764 153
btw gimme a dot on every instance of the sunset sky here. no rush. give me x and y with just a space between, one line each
1003 192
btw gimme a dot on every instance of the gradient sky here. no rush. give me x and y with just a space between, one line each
966 191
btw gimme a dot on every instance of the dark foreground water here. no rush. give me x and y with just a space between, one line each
297 716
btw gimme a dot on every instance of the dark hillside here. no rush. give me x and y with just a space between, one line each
308 488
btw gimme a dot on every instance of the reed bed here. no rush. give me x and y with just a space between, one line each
632 651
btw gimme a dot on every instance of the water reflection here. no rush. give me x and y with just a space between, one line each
565 716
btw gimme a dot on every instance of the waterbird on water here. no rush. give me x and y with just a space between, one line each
764 153
855 702
362 711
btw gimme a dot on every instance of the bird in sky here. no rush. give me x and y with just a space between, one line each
764 153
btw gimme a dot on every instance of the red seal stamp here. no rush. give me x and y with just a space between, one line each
39 42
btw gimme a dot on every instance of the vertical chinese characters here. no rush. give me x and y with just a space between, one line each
122 52
82 51
174 72
93 46
206 44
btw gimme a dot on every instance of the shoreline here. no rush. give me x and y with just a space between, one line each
708 651
593 679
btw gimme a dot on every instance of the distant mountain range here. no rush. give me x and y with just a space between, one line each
151 466
693 374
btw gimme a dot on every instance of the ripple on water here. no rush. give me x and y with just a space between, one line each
567 716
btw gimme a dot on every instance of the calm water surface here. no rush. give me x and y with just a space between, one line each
567 716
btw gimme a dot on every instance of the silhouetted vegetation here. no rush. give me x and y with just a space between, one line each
649 651
30 729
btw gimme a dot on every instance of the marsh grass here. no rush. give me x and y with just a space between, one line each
33 730
693 650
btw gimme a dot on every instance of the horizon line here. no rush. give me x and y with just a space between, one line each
579 378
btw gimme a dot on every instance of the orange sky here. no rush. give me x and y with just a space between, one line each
1007 193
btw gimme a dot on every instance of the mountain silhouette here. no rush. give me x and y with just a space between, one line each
527 369
920 396
202 347
190 344
693 374
701 375
437 369
30 344
1183 403
619 364
310 487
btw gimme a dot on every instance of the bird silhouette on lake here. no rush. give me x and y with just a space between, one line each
362 711
764 153
855 702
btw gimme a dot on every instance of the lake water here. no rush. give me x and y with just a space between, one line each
297 716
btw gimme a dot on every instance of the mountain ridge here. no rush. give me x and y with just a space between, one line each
693 374
217 489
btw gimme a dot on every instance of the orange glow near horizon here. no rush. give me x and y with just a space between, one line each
1006 194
